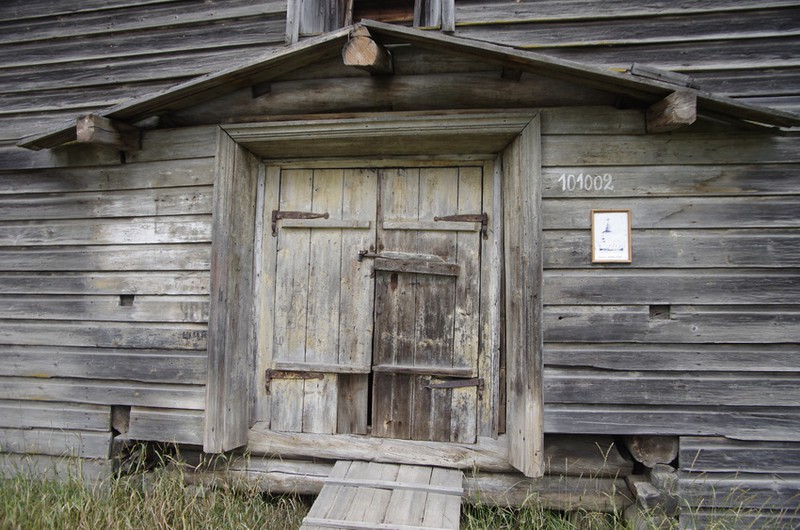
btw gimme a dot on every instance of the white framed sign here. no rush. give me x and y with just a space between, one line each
611 236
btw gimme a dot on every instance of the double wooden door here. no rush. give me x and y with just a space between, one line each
375 312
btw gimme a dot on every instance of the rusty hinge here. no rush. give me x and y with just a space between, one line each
277 215
290 374
460 383
482 218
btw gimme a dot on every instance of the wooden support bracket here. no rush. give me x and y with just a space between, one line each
363 52
677 110
95 129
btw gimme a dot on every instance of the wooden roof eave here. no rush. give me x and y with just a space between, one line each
274 64
206 87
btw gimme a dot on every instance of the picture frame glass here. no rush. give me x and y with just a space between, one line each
611 236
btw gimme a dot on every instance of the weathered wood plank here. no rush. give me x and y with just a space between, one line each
73 19
231 319
723 212
105 308
683 248
53 415
144 203
65 443
153 366
95 129
721 324
166 425
16 158
399 93
739 490
175 144
155 283
716 454
588 287
553 492
524 313
668 180
675 357
162 174
181 259
747 423
758 519
482 12
104 334
139 230
103 392
670 388
56 467
672 149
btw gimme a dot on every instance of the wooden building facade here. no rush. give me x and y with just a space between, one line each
375 242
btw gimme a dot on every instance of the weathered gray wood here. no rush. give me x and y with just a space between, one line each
94 129
401 93
684 249
739 490
524 314
672 180
145 203
673 149
725 287
553 492
505 11
65 443
53 415
655 388
715 454
104 335
56 467
230 329
759 519
163 283
675 111
162 174
687 324
166 425
103 392
175 144
748 423
105 308
72 154
732 212
675 357
154 366
140 230
181 259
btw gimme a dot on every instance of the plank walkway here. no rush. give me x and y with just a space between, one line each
387 496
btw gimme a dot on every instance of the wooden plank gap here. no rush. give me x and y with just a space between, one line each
392 485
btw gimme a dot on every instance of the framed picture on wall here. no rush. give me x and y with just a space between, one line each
611 236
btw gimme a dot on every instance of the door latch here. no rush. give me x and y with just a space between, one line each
460 383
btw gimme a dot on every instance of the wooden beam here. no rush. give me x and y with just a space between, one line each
95 129
673 112
363 52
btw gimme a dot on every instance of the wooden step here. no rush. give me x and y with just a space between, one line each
387 496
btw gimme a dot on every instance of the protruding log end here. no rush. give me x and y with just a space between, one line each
361 51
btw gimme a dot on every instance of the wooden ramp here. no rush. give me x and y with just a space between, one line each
371 495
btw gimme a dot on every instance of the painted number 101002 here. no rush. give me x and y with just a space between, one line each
586 182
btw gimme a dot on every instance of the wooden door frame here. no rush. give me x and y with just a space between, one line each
512 136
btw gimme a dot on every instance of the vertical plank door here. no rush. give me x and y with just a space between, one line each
322 314
427 291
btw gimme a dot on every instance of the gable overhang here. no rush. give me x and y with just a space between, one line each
277 63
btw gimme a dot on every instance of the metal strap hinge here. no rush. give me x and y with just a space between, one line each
482 218
290 374
460 383
277 215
